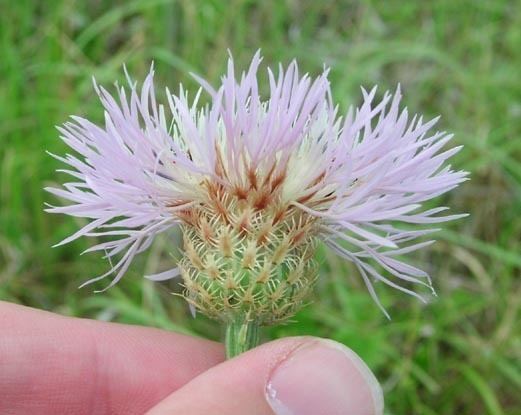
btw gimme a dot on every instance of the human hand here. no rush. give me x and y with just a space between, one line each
50 364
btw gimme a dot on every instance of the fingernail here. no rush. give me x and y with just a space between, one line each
324 377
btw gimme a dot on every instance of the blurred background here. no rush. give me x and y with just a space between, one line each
459 354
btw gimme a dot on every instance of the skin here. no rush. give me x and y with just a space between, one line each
51 364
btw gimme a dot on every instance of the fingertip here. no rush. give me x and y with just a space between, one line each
324 376
291 376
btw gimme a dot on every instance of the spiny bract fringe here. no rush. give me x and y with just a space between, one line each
241 260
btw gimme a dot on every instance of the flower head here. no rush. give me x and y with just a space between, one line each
255 183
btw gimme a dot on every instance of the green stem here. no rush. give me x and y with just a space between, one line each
241 335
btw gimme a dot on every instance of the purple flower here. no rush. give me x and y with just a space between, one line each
255 182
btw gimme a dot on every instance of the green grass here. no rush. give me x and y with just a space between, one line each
461 59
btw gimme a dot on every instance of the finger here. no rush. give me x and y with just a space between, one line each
51 364
300 376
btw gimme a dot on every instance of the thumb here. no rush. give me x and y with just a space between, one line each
292 376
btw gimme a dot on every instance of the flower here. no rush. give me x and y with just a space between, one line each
254 184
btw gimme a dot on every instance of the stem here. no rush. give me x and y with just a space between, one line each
241 335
